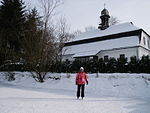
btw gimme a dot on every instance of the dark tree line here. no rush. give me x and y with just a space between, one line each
111 65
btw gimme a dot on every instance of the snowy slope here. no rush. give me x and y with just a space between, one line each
109 93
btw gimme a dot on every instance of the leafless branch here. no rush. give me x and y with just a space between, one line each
113 20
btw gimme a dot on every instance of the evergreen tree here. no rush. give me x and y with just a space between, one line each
12 21
122 65
33 21
66 66
93 65
111 66
133 65
31 39
102 65
76 64
144 64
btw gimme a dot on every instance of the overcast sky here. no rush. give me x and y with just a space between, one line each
83 13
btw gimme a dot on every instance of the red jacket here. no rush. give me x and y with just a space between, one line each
81 78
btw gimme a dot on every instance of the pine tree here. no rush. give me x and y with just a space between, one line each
33 21
133 65
76 64
31 39
112 65
102 66
122 65
12 21
93 65
144 64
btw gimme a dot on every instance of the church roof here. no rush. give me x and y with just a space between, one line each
90 49
114 29
86 53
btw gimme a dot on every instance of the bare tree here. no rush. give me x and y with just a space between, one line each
38 53
39 42
48 7
86 29
38 46
63 36
89 28
113 20
77 32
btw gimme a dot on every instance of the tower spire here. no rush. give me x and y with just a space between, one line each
104 19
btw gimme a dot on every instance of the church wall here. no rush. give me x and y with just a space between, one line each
145 40
143 51
128 52
67 57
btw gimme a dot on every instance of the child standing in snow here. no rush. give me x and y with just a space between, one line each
81 80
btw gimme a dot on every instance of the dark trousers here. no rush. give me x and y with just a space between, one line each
80 90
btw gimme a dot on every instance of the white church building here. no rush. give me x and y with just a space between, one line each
122 40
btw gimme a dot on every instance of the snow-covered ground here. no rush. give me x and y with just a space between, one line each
109 93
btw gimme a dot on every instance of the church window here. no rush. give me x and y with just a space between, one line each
83 59
144 41
148 42
95 57
122 55
106 58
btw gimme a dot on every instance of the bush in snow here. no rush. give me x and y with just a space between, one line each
102 65
144 64
133 65
112 65
10 76
122 65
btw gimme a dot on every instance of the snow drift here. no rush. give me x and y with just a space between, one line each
106 93
116 84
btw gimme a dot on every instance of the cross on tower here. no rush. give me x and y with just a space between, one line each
104 5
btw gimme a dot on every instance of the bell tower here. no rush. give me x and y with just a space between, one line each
104 19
